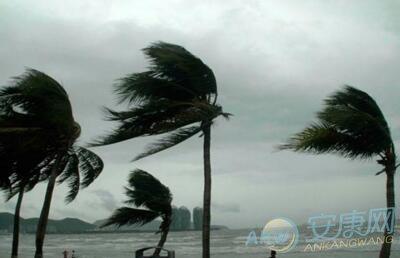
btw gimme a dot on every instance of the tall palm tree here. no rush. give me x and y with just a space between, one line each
177 96
148 192
353 126
37 108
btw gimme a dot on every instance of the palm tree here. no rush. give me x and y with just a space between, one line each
79 167
37 108
23 146
177 96
145 191
18 187
353 126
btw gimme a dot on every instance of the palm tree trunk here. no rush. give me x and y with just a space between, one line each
207 192
161 243
390 203
14 252
44 214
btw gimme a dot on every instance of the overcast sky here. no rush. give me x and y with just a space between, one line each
275 61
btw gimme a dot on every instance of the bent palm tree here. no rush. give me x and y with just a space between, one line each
145 191
38 108
24 146
352 125
177 96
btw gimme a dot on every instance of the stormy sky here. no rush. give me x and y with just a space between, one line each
275 61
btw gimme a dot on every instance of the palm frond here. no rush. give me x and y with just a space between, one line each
169 141
147 191
69 172
145 87
35 97
180 66
357 125
322 138
357 99
351 124
90 165
130 216
156 118
174 74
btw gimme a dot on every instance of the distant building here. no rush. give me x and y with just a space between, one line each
197 218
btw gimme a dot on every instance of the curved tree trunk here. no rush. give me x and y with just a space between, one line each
14 251
207 192
44 214
161 243
390 203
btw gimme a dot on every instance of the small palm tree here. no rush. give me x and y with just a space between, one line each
177 96
145 191
37 108
352 125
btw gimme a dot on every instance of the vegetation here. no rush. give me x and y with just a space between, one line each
145 191
36 120
353 126
177 96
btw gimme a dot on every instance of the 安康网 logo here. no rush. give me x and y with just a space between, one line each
279 234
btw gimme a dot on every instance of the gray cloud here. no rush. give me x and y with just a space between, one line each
229 208
274 64
107 200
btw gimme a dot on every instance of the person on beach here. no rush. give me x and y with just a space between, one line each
273 254
65 253
73 254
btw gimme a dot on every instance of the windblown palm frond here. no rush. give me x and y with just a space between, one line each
157 117
129 216
80 168
178 90
351 124
148 192
35 99
169 141
35 121
174 74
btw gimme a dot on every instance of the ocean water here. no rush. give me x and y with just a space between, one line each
225 244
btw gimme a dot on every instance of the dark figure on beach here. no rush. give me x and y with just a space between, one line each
65 253
273 254
73 254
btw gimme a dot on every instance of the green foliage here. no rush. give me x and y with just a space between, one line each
130 216
177 95
36 100
80 168
35 121
150 196
36 127
351 124
174 74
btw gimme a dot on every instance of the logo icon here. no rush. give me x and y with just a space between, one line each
280 235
